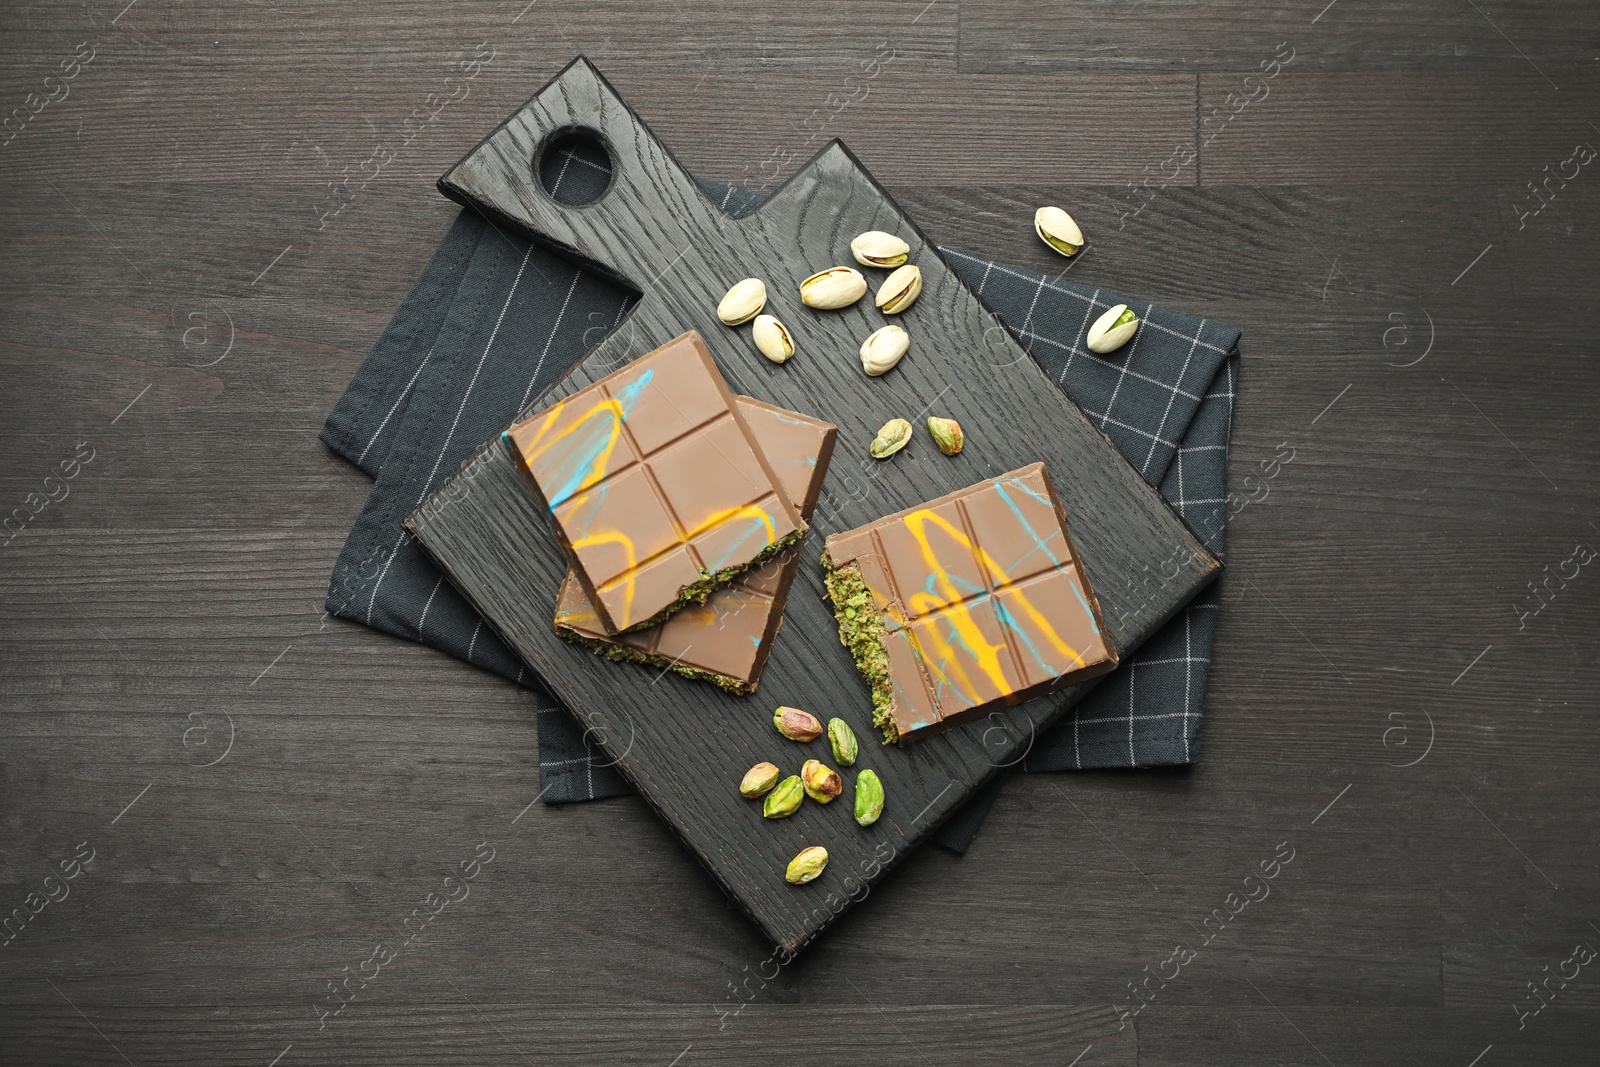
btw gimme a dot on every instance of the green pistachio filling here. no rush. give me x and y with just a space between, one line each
697 591
619 653
861 631
1123 319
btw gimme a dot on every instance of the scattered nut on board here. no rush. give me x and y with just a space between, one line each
797 725
869 798
807 865
883 349
772 338
946 434
900 289
894 436
878 249
785 798
743 302
835 287
759 779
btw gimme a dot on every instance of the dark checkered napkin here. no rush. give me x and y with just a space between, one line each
495 320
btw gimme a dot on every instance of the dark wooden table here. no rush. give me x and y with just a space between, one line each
196 258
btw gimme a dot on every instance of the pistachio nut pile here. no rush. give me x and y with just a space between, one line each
782 796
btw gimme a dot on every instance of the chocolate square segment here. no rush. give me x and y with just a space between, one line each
968 603
727 639
658 490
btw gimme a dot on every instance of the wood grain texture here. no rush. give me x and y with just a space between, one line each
1395 546
680 742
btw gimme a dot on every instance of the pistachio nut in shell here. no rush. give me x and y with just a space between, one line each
869 798
772 338
807 865
785 798
883 349
835 287
1112 330
946 434
797 725
759 779
900 289
878 249
891 439
743 302
1056 229
842 740
822 782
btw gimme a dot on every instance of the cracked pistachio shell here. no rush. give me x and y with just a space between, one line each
869 798
784 800
894 436
822 783
835 287
883 349
797 725
842 740
743 302
946 434
878 249
807 865
1112 330
759 779
772 338
900 289
1056 229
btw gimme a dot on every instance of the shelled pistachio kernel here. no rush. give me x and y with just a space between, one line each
1112 330
772 338
869 798
883 349
842 740
806 866
797 725
878 249
1056 229
785 798
900 290
835 287
946 434
743 302
758 780
891 439
822 783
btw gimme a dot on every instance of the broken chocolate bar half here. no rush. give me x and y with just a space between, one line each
727 639
967 604
657 489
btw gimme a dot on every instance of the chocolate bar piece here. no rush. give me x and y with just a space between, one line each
968 603
658 490
727 639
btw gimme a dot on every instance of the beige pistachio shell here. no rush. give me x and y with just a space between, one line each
900 289
772 338
878 249
1112 330
883 349
743 302
1056 229
835 287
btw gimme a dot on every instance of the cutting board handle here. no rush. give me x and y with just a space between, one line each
637 228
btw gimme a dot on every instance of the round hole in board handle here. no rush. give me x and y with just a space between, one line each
574 166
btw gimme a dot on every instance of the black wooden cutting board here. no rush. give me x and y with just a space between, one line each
685 744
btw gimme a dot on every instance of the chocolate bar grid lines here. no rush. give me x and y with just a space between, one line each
727 639
974 600
658 490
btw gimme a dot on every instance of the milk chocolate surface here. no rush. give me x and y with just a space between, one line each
657 488
968 603
727 639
